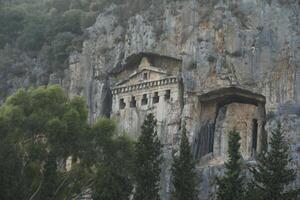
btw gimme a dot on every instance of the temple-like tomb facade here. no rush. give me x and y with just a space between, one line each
147 89
225 110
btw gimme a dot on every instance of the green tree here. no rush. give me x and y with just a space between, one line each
57 52
33 36
11 24
10 172
272 174
148 162
111 185
113 158
231 185
183 171
46 31
42 120
61 6
50 179
39 129
71 21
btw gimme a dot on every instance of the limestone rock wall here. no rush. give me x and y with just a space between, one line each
253 44
250 44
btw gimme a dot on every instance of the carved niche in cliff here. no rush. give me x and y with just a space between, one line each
146 88
225 110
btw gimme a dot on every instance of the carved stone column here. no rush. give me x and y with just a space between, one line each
260 136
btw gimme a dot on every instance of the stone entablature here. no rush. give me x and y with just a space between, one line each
144 85
152 98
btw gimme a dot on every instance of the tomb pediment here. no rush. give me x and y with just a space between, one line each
142 76
144 73
170 64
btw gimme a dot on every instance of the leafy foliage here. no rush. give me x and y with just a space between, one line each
112 159
111 185
231 186
183 171
49 181
47 30
11 24
45 124
10 172
147 162
272 174
40 129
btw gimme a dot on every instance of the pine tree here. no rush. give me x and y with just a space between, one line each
183 171
147 162
231 185
272 174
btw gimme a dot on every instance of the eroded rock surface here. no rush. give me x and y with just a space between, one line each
252 45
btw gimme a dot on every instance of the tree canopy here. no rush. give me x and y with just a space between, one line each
42 33
40 130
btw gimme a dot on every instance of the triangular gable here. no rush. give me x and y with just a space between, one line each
144 63
147 69
144 66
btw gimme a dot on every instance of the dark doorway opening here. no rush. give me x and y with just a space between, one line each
144 99
168 94
122 104
204 141
254 136
156 97
145 76
132 102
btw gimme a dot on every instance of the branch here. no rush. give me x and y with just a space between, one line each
62 183
36 192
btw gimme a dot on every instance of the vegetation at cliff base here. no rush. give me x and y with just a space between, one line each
231 185
271 177
273 173
41 131
49 151
113 158
148 162
183 172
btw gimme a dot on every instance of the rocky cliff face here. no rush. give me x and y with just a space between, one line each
254 45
